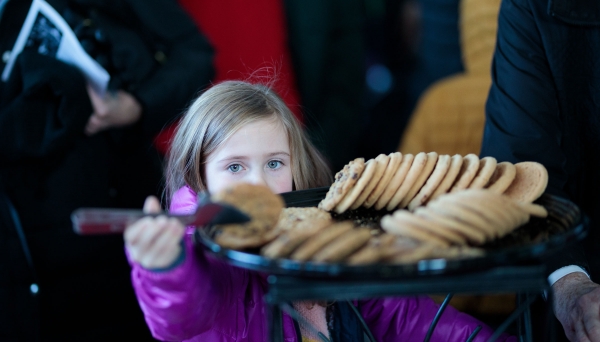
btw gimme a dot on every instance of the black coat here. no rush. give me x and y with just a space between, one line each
48 167
544 103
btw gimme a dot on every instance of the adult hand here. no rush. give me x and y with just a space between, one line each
113 110
577 307
154 242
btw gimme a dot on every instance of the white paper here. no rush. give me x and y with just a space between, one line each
46 31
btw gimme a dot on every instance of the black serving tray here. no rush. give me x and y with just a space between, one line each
528 244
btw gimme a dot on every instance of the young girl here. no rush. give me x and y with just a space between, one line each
241 132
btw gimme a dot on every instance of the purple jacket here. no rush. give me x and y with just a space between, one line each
203 299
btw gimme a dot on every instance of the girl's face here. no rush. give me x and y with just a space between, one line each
258 153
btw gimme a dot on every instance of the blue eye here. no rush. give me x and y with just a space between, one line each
234 168
274 164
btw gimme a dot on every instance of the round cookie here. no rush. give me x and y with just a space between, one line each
297 217
468 171
343 246
431 226
502 177
530 182
372 167
395 159
413 255
395 182
439 172
432 158
397 225
534 209
344 180
314 243
258 201
300 218
450 177
473 235
289 240
487 166
414 172
261 204
382 161
454 210
490 205
373 251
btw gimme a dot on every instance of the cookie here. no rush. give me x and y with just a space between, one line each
316 242
487 166
410 256
344 180
450 177
530 182
372 252
414 172
468 171
432 158
258 201
439 172
263 207
489 205
473 235
381 161
392 167
502 177
393 224
290 239
534 209
300 218
371 167
395 182
240 238
343 246
431 226
454 210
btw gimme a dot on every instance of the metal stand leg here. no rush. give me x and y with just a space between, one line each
276 324
550 320
524 306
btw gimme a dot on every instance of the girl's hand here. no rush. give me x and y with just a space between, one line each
154 242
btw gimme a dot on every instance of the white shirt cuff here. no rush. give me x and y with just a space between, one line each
563 271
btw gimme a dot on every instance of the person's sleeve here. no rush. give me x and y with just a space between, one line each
43 110
523 120
409 318
187 66
166 298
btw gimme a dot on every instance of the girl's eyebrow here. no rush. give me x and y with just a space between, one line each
232 158
272 154
278 153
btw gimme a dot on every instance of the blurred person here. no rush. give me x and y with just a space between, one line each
544 106
63 146
315 50
411 44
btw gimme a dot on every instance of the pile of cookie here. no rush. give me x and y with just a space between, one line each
429 206
312 234
397 181
470 217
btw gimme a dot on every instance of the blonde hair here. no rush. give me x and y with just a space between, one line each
216 115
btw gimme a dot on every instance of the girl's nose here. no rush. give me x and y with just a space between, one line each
258 178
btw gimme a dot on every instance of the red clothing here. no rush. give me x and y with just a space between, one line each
247 36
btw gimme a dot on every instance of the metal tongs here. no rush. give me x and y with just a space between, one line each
94 221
